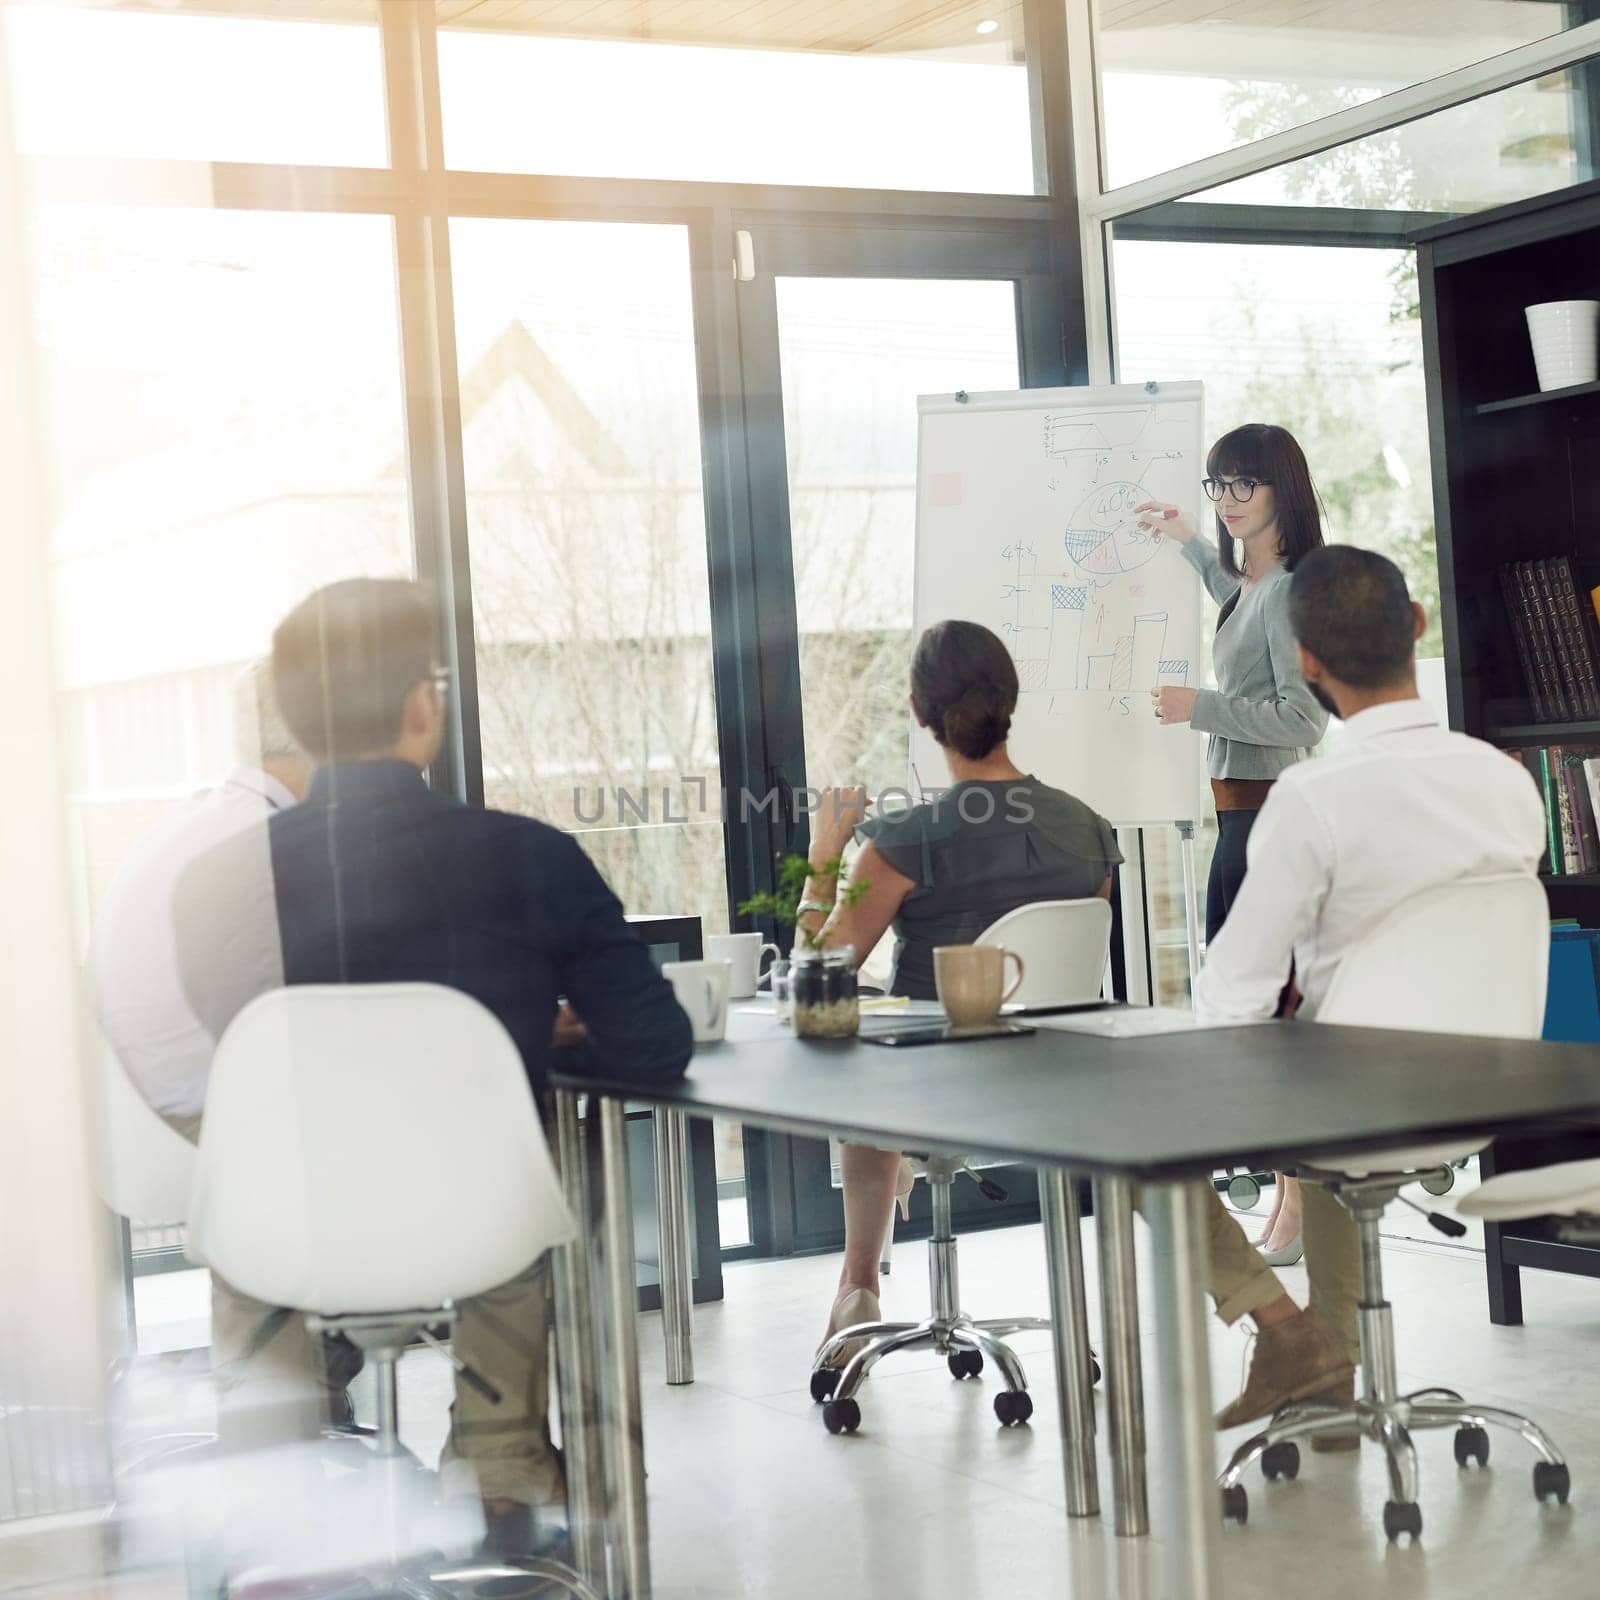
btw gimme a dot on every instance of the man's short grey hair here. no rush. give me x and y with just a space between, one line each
259 732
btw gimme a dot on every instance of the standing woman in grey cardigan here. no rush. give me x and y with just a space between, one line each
1261 717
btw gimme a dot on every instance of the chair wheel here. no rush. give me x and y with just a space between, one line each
964 1363
1552 1478
1472 1444
1281 1461
1013 1407
1236 1505
1243 1192
823 1382
1402 1516
841 1416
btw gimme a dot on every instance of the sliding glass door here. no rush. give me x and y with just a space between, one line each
839 335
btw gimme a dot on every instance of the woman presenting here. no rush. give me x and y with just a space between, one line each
1261 717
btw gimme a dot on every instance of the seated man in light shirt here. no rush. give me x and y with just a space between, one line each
133 960
139 997
1402 806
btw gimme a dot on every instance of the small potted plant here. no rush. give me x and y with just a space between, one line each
824 994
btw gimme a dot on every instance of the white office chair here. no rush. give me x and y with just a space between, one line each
1063 945
1470 957
1071 940
446 1191
146 1167
1566 1189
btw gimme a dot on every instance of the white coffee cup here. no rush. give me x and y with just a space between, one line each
742 952
702 991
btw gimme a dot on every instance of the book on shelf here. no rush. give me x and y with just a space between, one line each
1569 784
1555 626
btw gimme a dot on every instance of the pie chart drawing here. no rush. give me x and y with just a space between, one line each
1104 537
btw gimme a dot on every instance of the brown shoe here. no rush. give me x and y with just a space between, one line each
1292 1361
1342 1395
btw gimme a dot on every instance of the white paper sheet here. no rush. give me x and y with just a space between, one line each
1127 1022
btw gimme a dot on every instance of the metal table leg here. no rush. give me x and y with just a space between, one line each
1176 1214
1124 1376
672 1214
577 1360
621 1413
1063 1242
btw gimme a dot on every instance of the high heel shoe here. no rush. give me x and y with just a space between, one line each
905 1180
856 1306
1287 1255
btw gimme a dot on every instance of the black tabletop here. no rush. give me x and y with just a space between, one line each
1161 1107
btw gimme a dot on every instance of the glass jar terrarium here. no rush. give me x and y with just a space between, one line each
823 993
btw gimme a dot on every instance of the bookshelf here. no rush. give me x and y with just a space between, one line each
1516 477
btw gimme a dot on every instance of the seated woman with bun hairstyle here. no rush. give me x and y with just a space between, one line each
941 873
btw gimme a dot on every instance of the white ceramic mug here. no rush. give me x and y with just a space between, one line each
742 952
702 991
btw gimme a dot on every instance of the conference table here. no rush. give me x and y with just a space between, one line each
1152 1112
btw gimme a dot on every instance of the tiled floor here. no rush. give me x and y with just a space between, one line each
749 1495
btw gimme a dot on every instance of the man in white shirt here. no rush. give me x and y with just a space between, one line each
1403 806
133 958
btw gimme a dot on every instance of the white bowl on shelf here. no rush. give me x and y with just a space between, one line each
1565 335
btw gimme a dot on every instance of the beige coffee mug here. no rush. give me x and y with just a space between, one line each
970 979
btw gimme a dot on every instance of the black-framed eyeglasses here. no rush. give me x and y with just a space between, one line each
1242 488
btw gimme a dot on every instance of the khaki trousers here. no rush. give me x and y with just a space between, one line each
274 1379
1241 1282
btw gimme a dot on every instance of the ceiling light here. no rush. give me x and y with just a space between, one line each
988 25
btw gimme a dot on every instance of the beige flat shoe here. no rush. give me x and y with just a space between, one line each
849 1310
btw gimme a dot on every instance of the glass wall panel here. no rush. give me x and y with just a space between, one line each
1326 342
855 355
223 420
591 601
1503 147
1183 79
258 80
901 95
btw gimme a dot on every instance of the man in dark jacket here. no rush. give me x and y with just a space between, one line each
379 879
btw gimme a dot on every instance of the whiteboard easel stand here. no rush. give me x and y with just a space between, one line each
1191 902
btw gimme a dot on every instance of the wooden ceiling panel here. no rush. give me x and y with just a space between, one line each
887 27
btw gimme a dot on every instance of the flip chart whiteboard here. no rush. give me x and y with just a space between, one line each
1025 523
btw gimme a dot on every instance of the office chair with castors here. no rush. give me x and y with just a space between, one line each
1469 957
1063 945
1568 1191
448 1193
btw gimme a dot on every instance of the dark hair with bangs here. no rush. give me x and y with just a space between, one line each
1264 451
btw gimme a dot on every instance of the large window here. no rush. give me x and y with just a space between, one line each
1327 343
580 427
1181 81
1522 142
257 80
224 425
856 353
896 96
